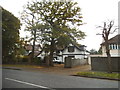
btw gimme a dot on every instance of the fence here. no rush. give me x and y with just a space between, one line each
100 64
69 63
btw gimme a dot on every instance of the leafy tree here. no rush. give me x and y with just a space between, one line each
59 22
100 50
33 25
108 29
93 51
21 47
10 35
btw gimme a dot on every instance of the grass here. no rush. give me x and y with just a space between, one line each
24 66
100 74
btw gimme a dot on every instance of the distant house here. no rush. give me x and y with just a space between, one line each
28 49
114 46
74 51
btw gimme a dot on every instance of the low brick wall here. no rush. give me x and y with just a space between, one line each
99 64
69 63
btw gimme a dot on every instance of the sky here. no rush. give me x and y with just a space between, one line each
94 13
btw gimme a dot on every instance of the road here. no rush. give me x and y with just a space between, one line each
30 79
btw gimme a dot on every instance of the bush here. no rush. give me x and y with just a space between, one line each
25 59
37 60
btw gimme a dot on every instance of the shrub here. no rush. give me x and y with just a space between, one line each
37 60
25 59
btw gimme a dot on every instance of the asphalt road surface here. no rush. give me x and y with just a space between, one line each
30 79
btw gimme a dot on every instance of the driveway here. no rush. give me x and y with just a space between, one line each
59 69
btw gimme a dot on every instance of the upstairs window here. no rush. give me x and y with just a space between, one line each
113 46
71 49
110 46
119 47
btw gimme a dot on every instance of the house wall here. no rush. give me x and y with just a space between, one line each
42 55
76 51
113 52
59 58
77 54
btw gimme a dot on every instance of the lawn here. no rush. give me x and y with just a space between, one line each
100 75
24 66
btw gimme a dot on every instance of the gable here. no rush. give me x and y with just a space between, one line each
71 49
114 40
76 51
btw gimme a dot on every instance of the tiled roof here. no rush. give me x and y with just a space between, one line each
114 40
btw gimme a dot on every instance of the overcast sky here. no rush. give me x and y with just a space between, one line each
94 13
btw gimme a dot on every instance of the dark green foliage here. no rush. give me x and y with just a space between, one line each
93 51
10 35
25 59
100 50
37 61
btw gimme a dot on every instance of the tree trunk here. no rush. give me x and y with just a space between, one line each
33 48
47 60
108 58
109 62
51 53
51 58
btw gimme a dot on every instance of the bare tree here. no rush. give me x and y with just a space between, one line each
107 29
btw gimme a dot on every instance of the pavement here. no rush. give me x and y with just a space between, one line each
57 69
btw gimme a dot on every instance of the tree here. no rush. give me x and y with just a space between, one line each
10 35
100 50
31 21
93 51
106 31
21 47
60 21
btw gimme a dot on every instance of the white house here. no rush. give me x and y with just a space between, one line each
114 46
28 49
74 51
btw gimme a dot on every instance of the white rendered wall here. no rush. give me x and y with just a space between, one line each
77 54
113 52
76 51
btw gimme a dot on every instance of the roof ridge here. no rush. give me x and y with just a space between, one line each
113 40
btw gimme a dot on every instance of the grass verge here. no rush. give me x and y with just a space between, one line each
100 75
22 66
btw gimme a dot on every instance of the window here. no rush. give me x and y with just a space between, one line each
116 46
71 49
119 47
110 46
113 47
